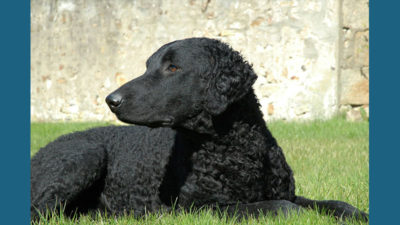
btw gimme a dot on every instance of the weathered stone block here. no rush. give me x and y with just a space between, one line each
354 88
361 48
357 113
356 14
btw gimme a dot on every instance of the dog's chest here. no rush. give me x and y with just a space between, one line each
135 172
226 172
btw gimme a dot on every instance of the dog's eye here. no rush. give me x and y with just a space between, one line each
172 68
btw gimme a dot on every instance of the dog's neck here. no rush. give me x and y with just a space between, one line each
243 113
246 111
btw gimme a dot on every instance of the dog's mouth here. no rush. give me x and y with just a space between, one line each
166 122
161 123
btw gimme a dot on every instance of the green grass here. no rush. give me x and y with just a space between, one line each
329 160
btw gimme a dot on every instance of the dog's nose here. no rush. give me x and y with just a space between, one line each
114 100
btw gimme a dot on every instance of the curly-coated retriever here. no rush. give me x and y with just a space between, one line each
203 142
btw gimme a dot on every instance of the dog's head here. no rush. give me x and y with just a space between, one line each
186 83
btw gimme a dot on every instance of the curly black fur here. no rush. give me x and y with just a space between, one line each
214 147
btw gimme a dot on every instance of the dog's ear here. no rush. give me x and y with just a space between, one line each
231 78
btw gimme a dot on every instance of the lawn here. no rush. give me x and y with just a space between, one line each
330 160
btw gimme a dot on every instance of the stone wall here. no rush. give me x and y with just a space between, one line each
354 59
311 56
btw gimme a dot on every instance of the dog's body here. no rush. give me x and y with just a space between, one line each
215 147
93 170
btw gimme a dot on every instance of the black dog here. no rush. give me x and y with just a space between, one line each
213 148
